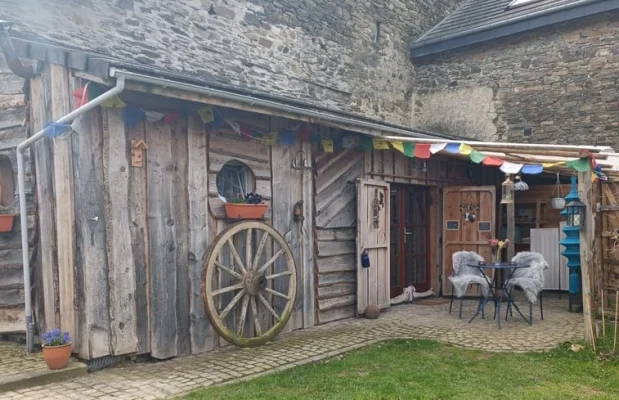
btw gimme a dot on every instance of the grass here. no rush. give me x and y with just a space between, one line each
429 370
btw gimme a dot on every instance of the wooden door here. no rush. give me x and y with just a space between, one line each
373 237
462 233
409 242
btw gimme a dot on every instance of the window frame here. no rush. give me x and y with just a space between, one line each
246 181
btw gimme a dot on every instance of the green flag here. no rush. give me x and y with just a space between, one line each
580 165
365 142
409 149
477 156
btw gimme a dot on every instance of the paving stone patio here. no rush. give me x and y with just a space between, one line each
175 377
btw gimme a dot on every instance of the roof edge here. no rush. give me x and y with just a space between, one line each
523 23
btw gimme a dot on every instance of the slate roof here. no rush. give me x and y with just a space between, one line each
477 21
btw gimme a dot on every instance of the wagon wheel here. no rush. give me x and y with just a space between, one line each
247 282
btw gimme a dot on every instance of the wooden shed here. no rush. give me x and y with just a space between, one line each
131 210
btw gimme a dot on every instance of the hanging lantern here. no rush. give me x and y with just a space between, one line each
507 191
520 184
575 213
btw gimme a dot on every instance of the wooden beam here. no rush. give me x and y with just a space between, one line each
40 97
121 273
585 192
65 214
511 230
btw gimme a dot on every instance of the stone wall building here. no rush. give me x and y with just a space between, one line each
350 56
556 84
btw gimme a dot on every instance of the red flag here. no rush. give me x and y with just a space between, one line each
422 150
171 117
81 96
492 162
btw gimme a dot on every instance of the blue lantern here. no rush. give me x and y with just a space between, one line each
573 213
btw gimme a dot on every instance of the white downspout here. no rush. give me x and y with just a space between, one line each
23 216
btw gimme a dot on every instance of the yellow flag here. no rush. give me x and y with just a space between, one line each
550 165
115 102
465 149
327 145
398 146
206 114
380 144
270 138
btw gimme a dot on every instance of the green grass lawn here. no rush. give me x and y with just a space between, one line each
430 370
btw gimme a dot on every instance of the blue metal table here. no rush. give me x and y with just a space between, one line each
503 292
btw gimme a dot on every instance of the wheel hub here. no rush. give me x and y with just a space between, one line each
254 284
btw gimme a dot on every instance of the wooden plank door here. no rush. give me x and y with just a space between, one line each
409 239
373 233
460 233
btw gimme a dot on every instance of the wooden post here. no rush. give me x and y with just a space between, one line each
585 192
511 230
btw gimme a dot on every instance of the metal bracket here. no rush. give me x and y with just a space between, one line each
300 162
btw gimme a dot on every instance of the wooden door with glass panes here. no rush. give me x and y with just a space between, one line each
409 245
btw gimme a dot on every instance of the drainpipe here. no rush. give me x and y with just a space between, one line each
21 182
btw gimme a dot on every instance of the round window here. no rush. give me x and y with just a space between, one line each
235 180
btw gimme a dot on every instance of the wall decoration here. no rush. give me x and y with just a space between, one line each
377 204
453 225
484 226
137 152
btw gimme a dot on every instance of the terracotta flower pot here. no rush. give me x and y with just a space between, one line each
57 357
245 211
6 222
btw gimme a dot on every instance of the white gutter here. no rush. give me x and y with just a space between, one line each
255 101
21 182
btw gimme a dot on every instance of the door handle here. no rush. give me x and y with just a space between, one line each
406 233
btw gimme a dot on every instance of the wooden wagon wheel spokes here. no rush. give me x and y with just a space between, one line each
249 295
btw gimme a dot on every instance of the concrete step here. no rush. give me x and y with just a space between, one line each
19 370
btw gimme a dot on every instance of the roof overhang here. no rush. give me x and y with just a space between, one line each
563 13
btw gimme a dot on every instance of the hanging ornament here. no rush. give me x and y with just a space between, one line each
558 199
520 184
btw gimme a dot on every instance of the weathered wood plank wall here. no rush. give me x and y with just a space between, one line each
13 130
335 229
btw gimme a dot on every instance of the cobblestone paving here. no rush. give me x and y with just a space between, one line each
15 360
181 375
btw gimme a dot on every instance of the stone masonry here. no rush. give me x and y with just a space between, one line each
559 81
316 51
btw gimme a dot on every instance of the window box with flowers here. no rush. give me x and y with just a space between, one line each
248 207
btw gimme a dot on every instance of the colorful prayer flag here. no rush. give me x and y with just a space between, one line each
422 150
409 149
286 138
477 156
327 145
453 148
153 116
81 96
54 129
465 149
171 117
349 141
270 138
206 114
380 144
532 169
132 115
114 102
492 162
555 164
436 147
399 146
511 168
365 142
580 165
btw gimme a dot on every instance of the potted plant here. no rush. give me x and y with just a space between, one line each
56 349
497 246
250 206
6 222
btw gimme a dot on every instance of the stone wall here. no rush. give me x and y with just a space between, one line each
560 81
316 51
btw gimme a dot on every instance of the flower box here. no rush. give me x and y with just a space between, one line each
245 211
6 222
